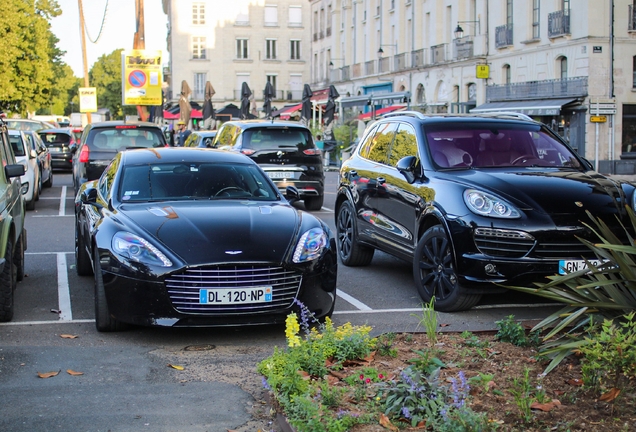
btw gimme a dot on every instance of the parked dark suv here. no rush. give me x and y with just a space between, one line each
472 201
284 150
100 143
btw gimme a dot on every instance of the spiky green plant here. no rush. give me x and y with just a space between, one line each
592 295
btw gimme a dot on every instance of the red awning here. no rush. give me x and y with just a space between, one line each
381 111
286 113
195 114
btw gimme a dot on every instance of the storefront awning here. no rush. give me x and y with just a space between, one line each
375 99
381 111
542 107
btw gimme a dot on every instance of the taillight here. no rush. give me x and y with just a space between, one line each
312 152
83 157
248 151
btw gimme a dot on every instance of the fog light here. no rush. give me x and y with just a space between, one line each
490 269
25 188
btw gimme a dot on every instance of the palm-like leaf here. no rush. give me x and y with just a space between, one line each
603 292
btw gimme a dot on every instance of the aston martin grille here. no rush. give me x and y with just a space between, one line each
184 288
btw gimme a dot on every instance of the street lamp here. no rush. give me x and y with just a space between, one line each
381 51
459 31
331 62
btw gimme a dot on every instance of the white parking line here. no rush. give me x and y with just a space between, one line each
352 301
30 323
63 202
63 290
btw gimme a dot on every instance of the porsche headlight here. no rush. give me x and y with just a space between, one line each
137 249
310 245
485 204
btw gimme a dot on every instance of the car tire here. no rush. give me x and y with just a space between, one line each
350 251
314 203
49 182
8 282
39 188
18 258
104 322
434 273
82 260
30 205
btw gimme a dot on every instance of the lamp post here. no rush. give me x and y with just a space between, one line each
459 31
381 51
331 65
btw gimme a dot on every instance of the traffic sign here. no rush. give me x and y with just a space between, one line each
598 119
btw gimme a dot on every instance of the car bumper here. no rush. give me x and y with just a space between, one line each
306 189
146 302
62 161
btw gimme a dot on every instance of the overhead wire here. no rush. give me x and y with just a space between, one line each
101 27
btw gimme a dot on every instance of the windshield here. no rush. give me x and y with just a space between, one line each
55 138
124 137
272 138
17 145
188 181
464 146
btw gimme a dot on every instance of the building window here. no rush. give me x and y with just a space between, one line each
198 47
563 62
198 13
509 13
634 72
271 16
272 80
199 86
535 19
295 16
294 50
241 49
270 49
506 74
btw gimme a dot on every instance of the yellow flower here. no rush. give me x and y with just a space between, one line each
291 330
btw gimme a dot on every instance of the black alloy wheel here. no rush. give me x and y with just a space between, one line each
350 251
435 276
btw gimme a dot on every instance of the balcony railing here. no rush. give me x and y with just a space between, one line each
328 31
559 88
558 23
357 71
369 67
399 62
463 48
631 18
383 65
418 58
346 75
503 36
438 53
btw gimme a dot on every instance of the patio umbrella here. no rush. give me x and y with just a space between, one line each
245 100
268 95
305 112
208 109
185 109
330 111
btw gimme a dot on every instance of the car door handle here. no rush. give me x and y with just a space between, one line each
351 174
380 180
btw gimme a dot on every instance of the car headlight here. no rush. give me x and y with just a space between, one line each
137 249
485 204
310 245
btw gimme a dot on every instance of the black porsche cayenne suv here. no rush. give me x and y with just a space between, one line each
474 202
284 150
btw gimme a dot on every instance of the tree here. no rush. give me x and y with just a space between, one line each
29 48
105 76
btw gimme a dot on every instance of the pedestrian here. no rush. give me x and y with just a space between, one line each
182 133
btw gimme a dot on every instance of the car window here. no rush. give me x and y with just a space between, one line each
117 139
55 138
106 180
404 144
194 181
226 135
17 145
273 138
377 147
6 154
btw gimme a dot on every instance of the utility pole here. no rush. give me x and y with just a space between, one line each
83 38
140 43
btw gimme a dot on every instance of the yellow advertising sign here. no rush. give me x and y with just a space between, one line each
598 119
141 77
88 99
483 71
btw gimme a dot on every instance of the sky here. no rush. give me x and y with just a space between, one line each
118 30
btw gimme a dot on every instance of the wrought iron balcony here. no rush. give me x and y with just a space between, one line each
503 36
463 48
558 23
558 88
438 53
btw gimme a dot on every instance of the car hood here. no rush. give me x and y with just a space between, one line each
210 232
554 192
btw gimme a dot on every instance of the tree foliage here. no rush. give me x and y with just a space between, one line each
27 80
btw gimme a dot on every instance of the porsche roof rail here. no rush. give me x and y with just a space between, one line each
507 114
417 114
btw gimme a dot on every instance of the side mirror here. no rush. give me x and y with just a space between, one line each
15 170
407 167
88 196
73 148
33 154
292 194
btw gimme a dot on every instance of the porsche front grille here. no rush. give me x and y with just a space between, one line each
184 288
